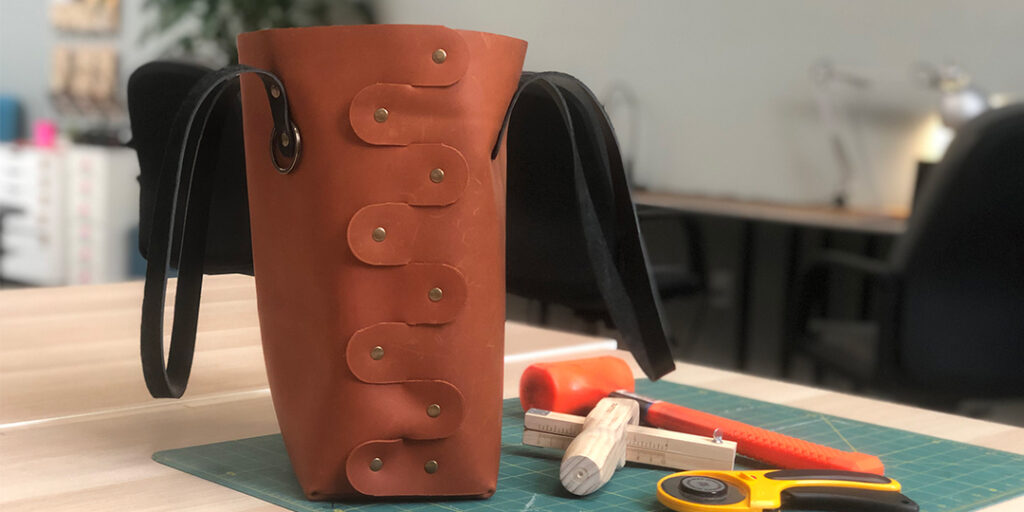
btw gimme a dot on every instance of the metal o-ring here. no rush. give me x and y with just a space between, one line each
298 150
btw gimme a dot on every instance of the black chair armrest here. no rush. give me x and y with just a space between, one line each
691 233
812 287
651 212
838 260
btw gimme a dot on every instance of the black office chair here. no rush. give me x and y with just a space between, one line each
567 279
678 278
950 315
673 280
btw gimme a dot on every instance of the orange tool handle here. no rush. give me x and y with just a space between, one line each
757 443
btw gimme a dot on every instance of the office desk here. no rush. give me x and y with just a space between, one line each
812 216
826 218
79 429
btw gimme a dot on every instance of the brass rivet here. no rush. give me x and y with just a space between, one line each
376 353
379 234
376 464
275 91
437 175
439 56
285 140
433 410
435 294
430 466
381 114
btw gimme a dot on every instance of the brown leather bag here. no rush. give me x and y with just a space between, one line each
379 258
376 195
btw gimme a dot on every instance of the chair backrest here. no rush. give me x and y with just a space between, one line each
962 264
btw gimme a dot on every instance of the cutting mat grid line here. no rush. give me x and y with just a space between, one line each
941 475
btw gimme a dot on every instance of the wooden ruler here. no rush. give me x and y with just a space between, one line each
644 445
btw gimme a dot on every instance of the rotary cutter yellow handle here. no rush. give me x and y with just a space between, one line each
795 489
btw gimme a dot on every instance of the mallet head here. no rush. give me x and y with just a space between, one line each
573 387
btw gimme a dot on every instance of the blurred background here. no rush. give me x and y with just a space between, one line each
757 134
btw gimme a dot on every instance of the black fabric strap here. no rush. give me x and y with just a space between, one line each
180 186
614 243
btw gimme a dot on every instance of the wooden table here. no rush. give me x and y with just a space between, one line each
806 215
78 427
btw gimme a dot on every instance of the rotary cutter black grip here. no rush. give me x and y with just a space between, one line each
841 499
827 474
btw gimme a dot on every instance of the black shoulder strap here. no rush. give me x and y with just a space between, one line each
181 187
612 235
613 241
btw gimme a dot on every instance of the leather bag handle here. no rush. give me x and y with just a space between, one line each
180 186
614 247
614 244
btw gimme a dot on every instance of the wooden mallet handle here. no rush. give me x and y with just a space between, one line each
600 449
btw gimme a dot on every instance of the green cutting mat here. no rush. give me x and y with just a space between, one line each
940 475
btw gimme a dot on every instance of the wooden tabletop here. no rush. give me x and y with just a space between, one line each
808 215
77 427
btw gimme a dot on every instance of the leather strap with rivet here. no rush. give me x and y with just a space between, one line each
181 187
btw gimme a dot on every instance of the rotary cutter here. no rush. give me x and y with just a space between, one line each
795 489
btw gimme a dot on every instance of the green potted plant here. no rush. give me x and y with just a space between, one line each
213 24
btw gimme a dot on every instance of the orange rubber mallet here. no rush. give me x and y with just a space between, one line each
574 387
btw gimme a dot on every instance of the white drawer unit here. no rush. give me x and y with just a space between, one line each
31 184
76 209
103 209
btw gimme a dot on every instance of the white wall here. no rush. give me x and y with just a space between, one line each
727 106
25 43
27 39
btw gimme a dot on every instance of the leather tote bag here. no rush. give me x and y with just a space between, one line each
359 173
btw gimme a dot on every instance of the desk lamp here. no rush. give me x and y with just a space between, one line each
825 76
960 100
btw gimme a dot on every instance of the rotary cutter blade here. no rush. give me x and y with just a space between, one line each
756 491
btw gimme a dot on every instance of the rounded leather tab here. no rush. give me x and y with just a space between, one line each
410 352
399 410
409 60
403 295
402 472
381 53
416 114
400 222
403 174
